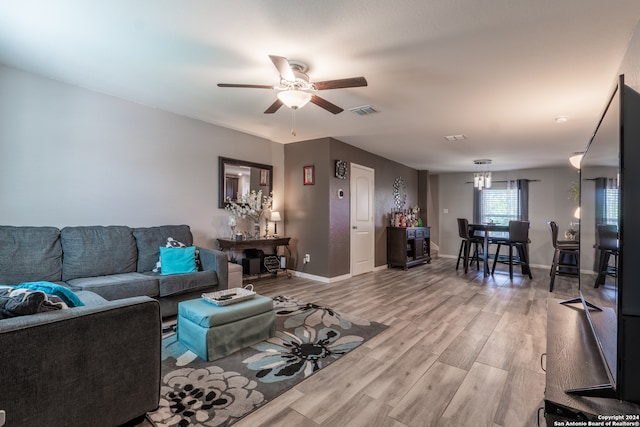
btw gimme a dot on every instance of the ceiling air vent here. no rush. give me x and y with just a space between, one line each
452 138
363 110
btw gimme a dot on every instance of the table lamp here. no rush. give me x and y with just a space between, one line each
275 218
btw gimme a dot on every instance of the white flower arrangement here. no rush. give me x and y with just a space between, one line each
253 205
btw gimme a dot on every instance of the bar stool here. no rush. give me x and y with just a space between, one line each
562 250
465 245
518 239
607 243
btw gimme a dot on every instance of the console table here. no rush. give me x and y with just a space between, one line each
408 246
235 246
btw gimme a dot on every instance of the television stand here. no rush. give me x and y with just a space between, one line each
573 362
579 301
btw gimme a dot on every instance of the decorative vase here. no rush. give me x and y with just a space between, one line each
256 230
232 224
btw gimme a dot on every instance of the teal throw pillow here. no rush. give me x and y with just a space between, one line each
178 260
65 294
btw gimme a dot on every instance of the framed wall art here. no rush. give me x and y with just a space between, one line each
264 177
308 175
341 169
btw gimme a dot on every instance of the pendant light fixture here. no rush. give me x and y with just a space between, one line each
576 158
482 179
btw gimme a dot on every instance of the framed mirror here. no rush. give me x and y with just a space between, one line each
238 177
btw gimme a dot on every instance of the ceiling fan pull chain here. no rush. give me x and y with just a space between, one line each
293 123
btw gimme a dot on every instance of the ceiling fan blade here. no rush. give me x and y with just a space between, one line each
282 64
341 83
246 86
273 107
321 102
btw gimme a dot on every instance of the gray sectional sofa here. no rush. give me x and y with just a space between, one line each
96 364
114 262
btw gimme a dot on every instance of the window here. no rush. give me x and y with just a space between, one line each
611 206
500 203
607 200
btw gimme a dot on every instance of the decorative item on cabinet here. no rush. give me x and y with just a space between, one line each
406 218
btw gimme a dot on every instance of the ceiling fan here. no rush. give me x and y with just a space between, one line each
295 89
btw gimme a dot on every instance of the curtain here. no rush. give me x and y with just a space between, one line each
601 205
606 210
601 216
477 206
523 199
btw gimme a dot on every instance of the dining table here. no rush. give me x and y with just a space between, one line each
485 230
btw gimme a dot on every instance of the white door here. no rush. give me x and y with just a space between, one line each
362 225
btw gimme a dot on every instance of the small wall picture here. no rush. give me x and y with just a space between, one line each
264 177
308 175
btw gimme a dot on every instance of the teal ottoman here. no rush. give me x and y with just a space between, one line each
213 332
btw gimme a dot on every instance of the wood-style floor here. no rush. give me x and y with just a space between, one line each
460 350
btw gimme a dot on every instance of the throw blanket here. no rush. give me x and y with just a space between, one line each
20 301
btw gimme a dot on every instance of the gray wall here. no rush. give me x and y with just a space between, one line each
318 221
71 156
549 199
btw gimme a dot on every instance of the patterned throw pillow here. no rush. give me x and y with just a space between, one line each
173 243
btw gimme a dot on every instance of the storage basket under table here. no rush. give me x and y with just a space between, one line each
212 331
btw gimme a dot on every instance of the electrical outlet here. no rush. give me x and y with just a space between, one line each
307 258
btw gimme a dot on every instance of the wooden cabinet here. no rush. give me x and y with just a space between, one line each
408 246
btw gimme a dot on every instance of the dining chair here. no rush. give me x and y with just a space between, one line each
566 256
607 244
465 245
518 239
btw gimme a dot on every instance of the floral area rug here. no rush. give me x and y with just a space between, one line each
308 337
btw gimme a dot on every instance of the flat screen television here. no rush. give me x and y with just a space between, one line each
610 244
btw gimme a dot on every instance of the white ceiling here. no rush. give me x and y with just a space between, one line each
497 71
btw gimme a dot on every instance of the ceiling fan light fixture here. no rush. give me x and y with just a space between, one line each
294 98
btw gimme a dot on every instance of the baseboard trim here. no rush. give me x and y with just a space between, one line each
320 278
530 265
330 279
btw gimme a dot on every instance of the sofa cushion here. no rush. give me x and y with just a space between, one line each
178 260
30 253
180 283
118 286
150 239
16 302
90 298
97 251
